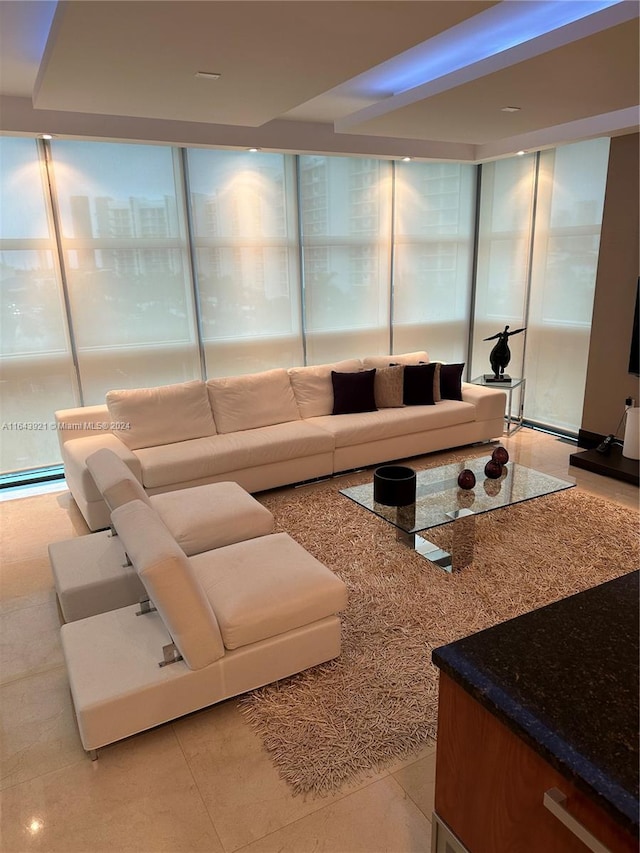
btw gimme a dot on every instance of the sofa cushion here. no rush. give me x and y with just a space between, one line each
171 584
402 358
388 386
355 429
312 386
216 455
418 384
253 400
211 516
353 392
161 415
114 479
261 589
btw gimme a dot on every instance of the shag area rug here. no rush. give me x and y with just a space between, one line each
377 702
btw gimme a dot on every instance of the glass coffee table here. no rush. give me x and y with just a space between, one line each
439 500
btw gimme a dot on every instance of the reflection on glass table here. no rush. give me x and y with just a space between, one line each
439 500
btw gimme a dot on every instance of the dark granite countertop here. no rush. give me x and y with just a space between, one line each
565 678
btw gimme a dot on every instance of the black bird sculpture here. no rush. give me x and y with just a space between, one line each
500 355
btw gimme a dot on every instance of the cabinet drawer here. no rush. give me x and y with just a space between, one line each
490 787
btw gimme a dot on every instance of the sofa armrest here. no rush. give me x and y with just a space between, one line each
489 403
74 455
81 422
114 479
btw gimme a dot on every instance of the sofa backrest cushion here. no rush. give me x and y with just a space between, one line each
312 386
162 415
253 400
115 481
402 358
168 577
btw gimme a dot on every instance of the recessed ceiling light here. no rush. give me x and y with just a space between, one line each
520 153
46 136
406 159
510 109
253 150
209 75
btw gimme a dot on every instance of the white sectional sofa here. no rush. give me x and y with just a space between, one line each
263 430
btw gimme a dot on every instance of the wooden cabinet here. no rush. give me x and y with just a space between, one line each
490 787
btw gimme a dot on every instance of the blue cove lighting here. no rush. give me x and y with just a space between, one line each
491 32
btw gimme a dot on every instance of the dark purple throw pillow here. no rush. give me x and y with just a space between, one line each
353 392
451 381
418 384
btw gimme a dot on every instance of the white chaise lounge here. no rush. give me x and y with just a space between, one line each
227 621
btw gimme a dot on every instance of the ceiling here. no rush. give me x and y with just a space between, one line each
388 78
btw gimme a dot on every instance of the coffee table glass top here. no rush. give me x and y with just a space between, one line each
439 499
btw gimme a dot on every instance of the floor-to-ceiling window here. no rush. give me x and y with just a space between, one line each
505 220
244 225
539 232
37 370
345 209
433 250
130 265
570 200
126 264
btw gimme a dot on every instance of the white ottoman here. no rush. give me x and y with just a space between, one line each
91 575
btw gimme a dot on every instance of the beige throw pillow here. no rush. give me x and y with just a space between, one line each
436 384
388 386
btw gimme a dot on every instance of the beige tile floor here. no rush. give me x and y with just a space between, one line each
202 783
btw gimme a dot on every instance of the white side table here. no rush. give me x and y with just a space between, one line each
512 422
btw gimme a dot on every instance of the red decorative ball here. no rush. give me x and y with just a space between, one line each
500 455
466 479
493 469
